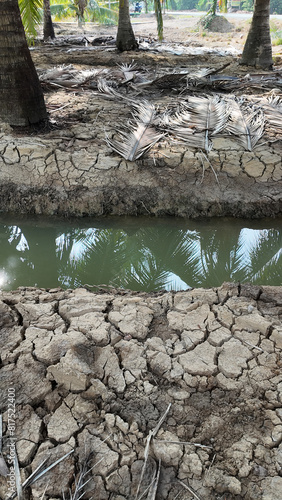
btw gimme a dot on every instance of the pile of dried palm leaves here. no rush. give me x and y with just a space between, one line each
197 115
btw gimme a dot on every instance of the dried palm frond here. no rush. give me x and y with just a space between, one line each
201 117
56 72
68 76
248 129
272 108
110 93
256 122
133 142
85 76
179 49
168 80
105 88
180 127
208 114
128 67
128 71
199 78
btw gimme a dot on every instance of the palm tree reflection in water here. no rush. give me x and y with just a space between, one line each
166 254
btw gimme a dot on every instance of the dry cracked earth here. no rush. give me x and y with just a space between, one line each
195 374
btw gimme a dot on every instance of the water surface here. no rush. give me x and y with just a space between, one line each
138 253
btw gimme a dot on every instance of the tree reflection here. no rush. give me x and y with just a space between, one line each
222 256
12 268
149 257
266 258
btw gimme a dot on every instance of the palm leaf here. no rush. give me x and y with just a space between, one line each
256 122
60 10
273 111
248 129
238 126
140 137
101 13
199 77
167 80
101 260
128 71
200 118
107 89
31 12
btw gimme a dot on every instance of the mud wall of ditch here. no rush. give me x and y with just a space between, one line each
72 172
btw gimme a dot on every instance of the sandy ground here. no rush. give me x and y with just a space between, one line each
182 28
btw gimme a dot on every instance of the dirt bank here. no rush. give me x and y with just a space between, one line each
73 170
96 373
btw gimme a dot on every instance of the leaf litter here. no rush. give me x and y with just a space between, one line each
201 106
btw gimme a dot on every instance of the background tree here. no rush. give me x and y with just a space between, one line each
48 28
159 17
31 13
257 50
125 35
21 96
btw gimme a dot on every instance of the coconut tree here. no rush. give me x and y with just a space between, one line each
257 50
21 96
48 28
159 17
125 35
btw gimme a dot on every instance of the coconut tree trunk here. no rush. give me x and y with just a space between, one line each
125 36
21 96
258 51
48 29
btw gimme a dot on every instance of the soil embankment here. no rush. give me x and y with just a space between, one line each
72 170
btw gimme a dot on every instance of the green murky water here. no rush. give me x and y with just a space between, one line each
139 254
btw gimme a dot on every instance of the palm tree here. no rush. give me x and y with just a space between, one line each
159 17
48 29
21 96
125 35
257 50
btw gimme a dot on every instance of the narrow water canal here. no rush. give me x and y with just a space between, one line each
139 253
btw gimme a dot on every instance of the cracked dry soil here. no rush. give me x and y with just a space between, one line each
96 372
